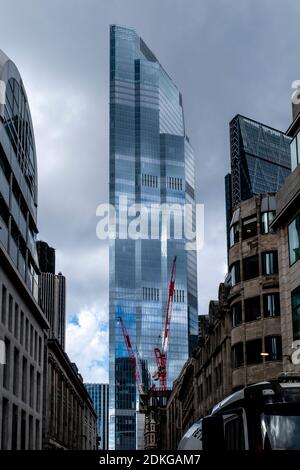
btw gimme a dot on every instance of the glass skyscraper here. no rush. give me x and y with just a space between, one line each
151 163
99 395
260 161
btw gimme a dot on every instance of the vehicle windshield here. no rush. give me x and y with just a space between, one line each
280 431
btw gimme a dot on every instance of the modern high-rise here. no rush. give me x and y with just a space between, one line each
99 395
151 163
52 292
22 323
260 162
46 256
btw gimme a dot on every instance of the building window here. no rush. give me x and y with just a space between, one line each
37 435
252 309
249 227
273 348
38 391
294 240
238 355
296 313
178 295
23 430
24 380
235 272
234 234
151 181
250 267
10 313
175 183
270 263
218 375
31 341
16 366
4 425
150 294
31 386
6 367
253 351
16 321
295 151
266 220
22 328
3 305
26 333
14 428
271 305
208 385
236 314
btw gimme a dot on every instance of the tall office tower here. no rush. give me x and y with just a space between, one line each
22 322
99 396
151 163
260 162
52 293
46 256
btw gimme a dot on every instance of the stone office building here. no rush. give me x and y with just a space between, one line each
69 416
287 224
22 323
254 298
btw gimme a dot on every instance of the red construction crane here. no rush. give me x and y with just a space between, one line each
161 354
132 359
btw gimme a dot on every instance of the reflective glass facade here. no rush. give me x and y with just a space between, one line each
260 158
18 177
99 395
151 162
260 162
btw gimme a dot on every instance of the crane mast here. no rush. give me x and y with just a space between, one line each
161 354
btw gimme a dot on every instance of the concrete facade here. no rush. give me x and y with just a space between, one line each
23 330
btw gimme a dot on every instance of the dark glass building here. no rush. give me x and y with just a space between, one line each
52 293
151 162
46 257
260 162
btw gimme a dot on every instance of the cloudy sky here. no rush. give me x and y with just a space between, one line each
226 56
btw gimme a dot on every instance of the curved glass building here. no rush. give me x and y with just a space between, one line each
151 163
18 175
22 323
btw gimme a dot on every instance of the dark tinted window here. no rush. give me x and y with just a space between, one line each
236 314
238 355
253 351
252 309
296 313
251 267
